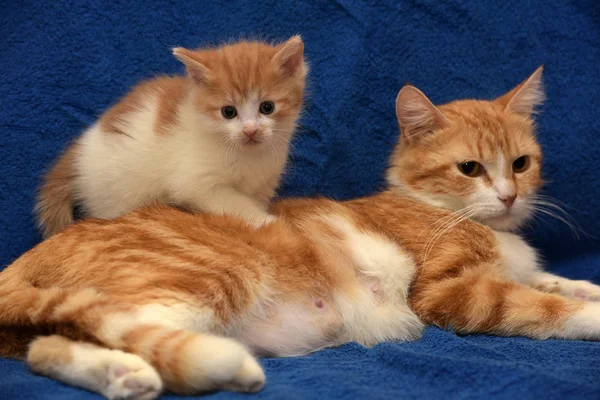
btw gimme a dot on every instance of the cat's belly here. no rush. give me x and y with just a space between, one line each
285 330
356 315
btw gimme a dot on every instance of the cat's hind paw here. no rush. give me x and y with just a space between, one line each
128 377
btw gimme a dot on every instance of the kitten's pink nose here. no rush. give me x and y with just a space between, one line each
508 200
250 132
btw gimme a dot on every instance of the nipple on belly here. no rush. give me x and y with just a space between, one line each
319 303
375 288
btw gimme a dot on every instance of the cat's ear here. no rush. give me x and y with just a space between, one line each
524 98
290 55
416 114
195 69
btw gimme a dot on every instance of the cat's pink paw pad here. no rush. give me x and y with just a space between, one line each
129 377
585 290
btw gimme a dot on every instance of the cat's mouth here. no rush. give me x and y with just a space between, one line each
252 142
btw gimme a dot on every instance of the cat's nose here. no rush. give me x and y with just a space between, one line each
250 132
508 200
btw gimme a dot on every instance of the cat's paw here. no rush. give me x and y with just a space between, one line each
217 363
250 378
129 377
548 286
583 290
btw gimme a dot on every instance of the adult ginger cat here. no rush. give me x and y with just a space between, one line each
161 299
216 140
473 158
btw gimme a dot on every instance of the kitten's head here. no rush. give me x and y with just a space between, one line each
250 93
480 157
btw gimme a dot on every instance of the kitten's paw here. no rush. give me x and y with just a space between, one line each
262 221
269 219
129 377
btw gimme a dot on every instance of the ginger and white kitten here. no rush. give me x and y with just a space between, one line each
481 160
160 299
216 140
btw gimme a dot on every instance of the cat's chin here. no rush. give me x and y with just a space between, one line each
506 222
249 145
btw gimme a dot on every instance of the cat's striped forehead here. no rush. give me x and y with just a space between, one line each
244 67
485 130
247 70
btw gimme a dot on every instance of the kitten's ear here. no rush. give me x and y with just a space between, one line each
416 114
195 69
290 55
524 98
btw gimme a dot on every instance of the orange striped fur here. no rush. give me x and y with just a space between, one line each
494 134
161 299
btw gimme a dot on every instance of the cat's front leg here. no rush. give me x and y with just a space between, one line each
227 200
522 264
578 289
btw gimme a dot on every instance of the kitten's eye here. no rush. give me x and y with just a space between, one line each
229 112
267 107
470 168
521 164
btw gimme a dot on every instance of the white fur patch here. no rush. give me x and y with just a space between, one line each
373 314
112 373
520 260
583 325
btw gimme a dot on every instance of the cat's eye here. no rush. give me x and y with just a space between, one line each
267 107
470 168
229 112
521 164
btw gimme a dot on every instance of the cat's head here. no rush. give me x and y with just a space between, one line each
480 157
249 93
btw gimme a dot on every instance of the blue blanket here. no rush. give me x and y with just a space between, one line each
63 62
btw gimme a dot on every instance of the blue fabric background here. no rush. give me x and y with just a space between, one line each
63 62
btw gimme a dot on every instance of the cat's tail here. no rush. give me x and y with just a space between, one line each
20 305
188 362
54 207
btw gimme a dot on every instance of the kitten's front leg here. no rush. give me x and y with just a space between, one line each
227 200
578 289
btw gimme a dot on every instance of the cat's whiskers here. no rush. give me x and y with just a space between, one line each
282 144
228 155
447 223
445 219
542 204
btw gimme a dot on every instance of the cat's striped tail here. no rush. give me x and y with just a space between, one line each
54 206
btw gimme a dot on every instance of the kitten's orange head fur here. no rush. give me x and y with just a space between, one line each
480 157
250 91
